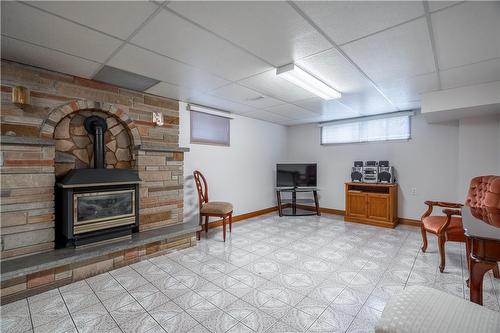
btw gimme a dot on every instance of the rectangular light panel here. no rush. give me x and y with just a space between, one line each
303 79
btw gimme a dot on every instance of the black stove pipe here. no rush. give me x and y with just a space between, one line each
97 126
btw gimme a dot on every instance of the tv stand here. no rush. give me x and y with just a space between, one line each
293 203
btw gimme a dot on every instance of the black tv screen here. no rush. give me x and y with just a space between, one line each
296 175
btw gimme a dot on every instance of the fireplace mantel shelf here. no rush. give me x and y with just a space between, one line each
40 262
151 147
26 140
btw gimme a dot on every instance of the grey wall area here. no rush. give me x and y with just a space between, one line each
438 161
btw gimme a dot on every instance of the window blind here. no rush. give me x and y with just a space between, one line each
209 129
377 129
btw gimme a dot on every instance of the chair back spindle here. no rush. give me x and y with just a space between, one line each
201 186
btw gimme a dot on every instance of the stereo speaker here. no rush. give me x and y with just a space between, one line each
386 174
357 174
383 163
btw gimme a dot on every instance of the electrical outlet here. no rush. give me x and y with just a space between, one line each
414 191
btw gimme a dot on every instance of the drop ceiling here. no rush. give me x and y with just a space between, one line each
380 55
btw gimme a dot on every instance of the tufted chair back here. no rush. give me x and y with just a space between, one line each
484 191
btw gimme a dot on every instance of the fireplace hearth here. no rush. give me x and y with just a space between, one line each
99 204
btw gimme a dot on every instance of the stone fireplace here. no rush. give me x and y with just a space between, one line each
97 204
48 156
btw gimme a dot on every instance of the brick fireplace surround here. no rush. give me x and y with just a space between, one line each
44 140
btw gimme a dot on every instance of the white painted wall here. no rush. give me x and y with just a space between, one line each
244 173
479 150
438 161
427 162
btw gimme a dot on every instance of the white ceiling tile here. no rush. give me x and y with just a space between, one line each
272 30
137 60
331 109
482 72
269 84
220 103
117 18
170 91
437 5
243 95
409 89
344 21
177 38
32 25
268 116
398 52
467 33
409 105
291 111
333 69
367 102
41 57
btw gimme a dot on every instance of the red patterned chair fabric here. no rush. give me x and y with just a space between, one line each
484 192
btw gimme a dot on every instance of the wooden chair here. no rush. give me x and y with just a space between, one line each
448 227
208 209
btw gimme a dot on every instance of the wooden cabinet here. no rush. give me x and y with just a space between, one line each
374 204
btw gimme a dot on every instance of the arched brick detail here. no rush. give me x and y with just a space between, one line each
55 116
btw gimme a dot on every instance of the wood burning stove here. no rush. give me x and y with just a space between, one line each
95 205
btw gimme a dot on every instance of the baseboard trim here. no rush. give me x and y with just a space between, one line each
323 210
412 222
241 217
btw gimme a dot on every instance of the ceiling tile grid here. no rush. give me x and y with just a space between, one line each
143 62
269 29
403 51
345 21
184 41
117 18
31 25
223 54
467 33
46 58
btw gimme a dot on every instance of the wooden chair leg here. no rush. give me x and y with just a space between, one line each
442 254
198 234
424 238
224 228
206 224
230 222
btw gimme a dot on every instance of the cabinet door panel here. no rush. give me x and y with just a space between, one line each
378 207
357 204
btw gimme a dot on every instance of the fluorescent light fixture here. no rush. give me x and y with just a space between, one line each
303 79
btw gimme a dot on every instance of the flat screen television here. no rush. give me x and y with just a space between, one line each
296 175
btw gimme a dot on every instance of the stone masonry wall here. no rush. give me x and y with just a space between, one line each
28 152
75 147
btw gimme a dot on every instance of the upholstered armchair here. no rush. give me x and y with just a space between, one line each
484 191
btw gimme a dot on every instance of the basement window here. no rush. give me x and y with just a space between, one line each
209 129
394 126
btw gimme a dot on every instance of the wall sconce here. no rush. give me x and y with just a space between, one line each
20 96
158 118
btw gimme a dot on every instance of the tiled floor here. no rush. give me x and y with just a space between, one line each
273 275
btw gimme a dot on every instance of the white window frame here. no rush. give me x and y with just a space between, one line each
360 120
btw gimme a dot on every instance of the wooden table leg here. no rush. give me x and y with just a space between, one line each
294 203
316 203
477 271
